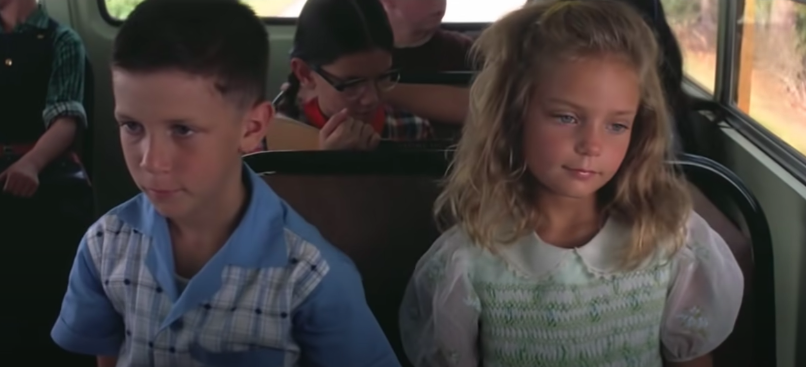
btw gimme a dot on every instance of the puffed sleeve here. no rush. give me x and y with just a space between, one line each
440 310
705 296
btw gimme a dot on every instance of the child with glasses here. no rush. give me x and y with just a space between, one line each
342 60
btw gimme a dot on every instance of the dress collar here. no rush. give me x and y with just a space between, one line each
603 255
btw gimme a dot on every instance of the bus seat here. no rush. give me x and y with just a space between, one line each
287 134
737 350
382 222
376 207
718 191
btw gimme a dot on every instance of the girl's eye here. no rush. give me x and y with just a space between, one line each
565 119
132 127
618 128
182 130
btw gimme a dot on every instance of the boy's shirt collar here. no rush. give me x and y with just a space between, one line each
257 242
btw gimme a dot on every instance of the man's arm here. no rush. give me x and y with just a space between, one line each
434 102
64 113
334 326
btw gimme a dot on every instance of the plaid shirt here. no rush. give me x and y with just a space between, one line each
276 294
399 125
66 88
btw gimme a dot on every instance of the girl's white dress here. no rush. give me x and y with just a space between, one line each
535 305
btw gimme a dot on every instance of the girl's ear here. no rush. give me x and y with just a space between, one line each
303 73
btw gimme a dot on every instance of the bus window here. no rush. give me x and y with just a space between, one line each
482 11
772 68
695 23
771 63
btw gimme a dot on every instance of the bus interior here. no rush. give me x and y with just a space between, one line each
743 143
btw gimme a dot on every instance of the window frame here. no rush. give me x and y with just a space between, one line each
726 90
282 21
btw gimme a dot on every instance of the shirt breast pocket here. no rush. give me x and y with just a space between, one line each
269 357
249 311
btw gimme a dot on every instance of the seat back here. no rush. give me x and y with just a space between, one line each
382 222
753 340
375 207
287 134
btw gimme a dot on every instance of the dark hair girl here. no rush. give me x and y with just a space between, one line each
342 59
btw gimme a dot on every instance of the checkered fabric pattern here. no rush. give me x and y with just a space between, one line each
249 314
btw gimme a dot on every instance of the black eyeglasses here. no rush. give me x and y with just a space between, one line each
355 88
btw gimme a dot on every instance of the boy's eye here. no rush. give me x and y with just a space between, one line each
132 127
182 130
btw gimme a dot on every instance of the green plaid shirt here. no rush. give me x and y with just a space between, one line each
66 88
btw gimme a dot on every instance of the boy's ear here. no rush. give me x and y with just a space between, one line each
254 128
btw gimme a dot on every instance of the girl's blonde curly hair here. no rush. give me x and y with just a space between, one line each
486 193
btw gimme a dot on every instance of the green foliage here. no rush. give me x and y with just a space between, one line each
681 11
120 9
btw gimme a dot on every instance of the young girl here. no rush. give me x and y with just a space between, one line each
341 66
573 243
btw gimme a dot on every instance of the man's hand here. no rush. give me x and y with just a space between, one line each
342 132
20 179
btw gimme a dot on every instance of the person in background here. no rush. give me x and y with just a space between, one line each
421 45
207 266
41 94
342 68
42 67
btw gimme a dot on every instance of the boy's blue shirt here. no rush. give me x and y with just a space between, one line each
276 294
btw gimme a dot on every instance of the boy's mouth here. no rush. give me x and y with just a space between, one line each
161 193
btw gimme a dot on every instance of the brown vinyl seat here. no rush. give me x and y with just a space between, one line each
287 134
381 217
737 350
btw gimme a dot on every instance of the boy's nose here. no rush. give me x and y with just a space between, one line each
155 157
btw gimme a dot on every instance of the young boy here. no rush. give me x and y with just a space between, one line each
207 267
